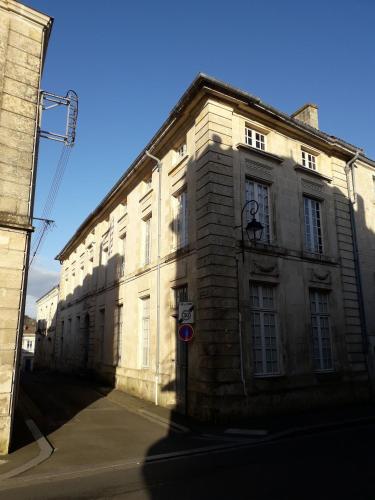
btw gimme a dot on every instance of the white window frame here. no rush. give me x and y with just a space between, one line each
179 153
147 240
260 192
308 160
145 332
263 315
180 220
313 230
321 331
255 139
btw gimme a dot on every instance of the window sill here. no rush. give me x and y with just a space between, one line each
260 152
178 162
311 172
318 257
145 195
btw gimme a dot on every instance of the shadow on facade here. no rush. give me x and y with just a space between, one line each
213 379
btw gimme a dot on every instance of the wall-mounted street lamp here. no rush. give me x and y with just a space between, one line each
254 228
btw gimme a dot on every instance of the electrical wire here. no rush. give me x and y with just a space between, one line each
41 231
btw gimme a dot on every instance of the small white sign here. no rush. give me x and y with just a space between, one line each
186 312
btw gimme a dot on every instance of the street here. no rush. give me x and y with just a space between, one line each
116 446
329 465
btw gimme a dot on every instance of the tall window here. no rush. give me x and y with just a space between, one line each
180 295
255 139
122 248
263 328
322 349
308 160
145 327
117 340
180 220
147 241
102 332
313 225
259 192
62 340
103 264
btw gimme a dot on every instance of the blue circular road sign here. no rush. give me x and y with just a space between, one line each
185 332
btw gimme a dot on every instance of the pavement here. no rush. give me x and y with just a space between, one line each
67 426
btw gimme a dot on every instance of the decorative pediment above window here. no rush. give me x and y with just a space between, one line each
320 276
263 268
258 170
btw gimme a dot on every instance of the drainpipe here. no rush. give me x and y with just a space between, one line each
157 363
350 179
242 370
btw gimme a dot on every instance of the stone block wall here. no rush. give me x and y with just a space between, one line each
23 34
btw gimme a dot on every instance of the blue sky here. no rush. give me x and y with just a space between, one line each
130 62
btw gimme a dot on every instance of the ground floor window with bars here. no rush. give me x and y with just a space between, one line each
264 334
321 335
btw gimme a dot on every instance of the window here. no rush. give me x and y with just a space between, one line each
145 327
103 264
180 152
29 344
147 241
122 248
118 334
180 221
263 328
313 225
259 192
255 139
180 295
101 332
321 338
308 160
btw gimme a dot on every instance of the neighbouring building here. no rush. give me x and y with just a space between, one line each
28 344
24 35
46 317
286 322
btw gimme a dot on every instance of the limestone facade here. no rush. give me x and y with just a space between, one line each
46 318
24 35
278 323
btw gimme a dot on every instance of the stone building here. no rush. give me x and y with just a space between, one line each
28 344
46 317
24 35
280 323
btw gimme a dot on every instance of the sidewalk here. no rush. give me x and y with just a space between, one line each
91 427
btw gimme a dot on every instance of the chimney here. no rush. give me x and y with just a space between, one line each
307 114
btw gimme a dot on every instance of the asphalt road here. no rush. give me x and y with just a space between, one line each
330 465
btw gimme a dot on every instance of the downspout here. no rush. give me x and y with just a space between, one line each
240 328
157 356
350 179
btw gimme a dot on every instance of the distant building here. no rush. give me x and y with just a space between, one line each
28 345
282 323
46 317
24 35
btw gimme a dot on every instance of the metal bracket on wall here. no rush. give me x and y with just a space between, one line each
50 101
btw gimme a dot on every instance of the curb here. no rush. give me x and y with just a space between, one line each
45 451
